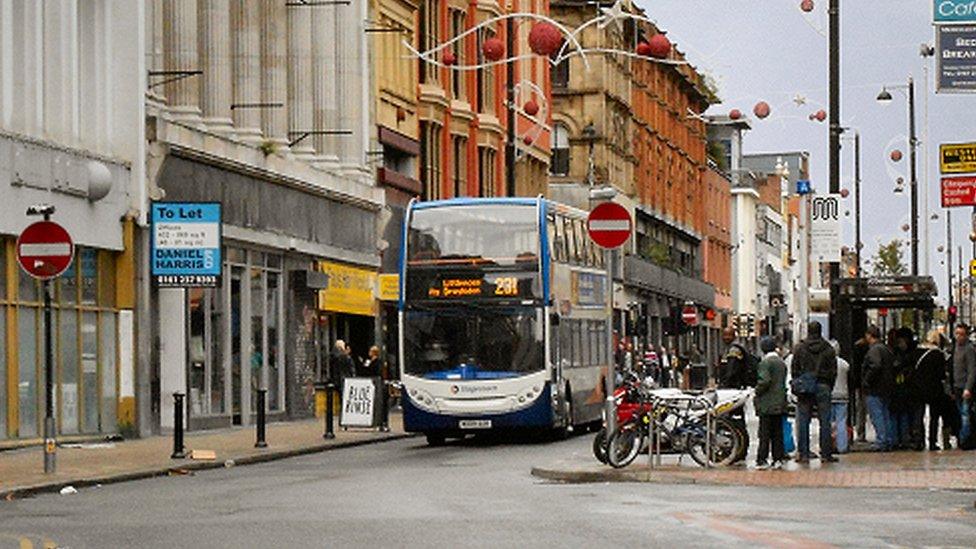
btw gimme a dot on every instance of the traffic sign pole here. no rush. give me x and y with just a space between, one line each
44 251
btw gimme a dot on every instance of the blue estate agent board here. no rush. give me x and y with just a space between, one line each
186 240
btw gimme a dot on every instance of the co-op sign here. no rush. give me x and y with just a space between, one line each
955 11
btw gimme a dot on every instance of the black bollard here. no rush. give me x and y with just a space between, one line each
385 403
262 396
179 451
329 432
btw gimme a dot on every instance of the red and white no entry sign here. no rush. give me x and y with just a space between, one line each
45 249
690 315
609 225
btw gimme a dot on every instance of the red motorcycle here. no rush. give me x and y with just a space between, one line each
628 404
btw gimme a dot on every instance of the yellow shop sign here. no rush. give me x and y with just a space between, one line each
349 289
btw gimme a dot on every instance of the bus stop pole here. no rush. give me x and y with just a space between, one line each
611 369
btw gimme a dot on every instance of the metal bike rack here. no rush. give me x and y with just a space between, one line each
654 445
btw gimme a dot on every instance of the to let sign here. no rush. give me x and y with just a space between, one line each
186 244
957 157
958 191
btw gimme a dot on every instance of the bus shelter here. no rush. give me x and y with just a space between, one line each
857 296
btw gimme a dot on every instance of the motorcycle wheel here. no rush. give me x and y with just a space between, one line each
600 446
725 448
623 446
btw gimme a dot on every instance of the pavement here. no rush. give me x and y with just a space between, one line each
472 493
952 469
81 463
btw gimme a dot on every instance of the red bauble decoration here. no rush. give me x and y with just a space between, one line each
545 38
660 46
844 193
527 139
735 114
762 110
896 156
820 115
807 5
494 49
643 49
906 227
531 108
449 58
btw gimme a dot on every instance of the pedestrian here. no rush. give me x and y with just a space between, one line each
877 381
839 400
857 392
816 361
963 380
373 365
900 405
735 371
770 405
928 385
341 365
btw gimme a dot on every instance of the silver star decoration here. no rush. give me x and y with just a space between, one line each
800 100
614 14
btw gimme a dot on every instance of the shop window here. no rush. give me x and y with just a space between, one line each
89 371
28 329
87 259
257 336
3 360
275 374
108 335
196 354
216 359
68 365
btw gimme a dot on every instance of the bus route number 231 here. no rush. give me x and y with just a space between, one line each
506 286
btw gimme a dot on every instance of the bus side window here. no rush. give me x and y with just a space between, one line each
566 341
595 341
559 239
581 240
579 344
570 240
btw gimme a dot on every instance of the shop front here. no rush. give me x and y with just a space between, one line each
298 269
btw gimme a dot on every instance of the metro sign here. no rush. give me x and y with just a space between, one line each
45 250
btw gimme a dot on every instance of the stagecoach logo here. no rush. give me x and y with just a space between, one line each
473 389
825 228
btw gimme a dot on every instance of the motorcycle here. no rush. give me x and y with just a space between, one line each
634 400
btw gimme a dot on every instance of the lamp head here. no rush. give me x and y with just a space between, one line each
885 97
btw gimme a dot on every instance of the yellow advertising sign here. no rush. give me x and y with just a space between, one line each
972 268
957 157
350 289
388 288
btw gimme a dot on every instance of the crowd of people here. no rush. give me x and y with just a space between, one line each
897 382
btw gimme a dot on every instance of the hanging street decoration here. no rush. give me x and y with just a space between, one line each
762 110
660 46
807 5
819 116
494 49
531 108
735 114
896 155
545 38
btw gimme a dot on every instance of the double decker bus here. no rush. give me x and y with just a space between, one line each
503 318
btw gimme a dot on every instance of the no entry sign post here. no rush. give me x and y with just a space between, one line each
609 225
44 251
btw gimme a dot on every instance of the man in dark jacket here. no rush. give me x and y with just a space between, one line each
877 385
963 379
814 356
770 404
735 363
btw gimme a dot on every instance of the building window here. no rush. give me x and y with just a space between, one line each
485 76
429 38
458 19
486 172
460 159
560 150
559 74
430 160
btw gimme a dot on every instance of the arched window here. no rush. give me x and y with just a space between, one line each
560 150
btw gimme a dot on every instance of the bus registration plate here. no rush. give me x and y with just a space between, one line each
475 424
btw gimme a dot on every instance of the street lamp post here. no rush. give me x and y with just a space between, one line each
885 97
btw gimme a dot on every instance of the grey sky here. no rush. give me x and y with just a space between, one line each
769 50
